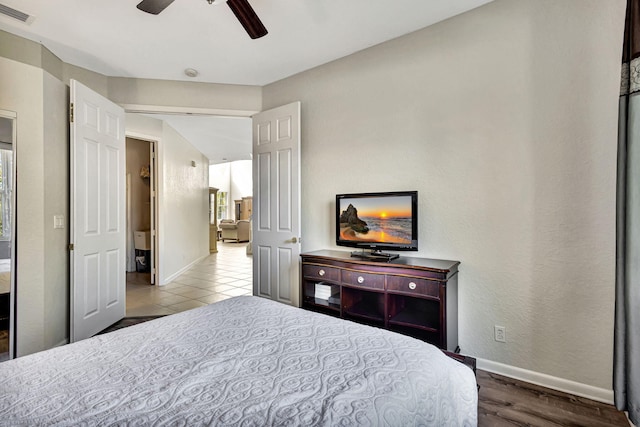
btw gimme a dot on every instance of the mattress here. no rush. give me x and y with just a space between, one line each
243 361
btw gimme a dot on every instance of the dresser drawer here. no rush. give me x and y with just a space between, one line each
413 286
363 280
321 272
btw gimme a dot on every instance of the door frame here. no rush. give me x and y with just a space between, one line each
13 116
155 143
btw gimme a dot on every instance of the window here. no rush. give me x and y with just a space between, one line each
6 167
222 205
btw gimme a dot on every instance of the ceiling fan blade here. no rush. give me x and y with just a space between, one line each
248 18
153 6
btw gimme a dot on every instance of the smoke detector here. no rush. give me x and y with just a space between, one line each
190 72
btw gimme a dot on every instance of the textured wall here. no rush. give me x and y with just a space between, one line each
184 204
21 90
243 100
56 202
505 121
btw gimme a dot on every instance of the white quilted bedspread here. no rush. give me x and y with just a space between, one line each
245 361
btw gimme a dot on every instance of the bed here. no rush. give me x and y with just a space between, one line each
243 361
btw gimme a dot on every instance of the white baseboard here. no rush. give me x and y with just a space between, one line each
168 280
544 380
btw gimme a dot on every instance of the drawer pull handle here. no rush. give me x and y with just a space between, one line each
360 279
412 285
321 272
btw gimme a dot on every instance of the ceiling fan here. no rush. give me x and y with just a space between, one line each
241 8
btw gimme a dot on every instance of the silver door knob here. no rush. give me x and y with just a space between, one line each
412 285
360 279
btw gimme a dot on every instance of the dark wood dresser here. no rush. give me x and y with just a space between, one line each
412 296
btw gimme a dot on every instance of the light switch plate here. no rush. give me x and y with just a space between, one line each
58 221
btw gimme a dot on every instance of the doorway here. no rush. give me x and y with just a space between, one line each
7 234
141 268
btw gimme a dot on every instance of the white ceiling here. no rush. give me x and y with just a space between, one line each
114 38
221 139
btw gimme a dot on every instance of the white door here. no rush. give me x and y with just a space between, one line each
97 196
276 204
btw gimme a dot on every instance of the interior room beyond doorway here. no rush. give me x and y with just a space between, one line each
221 275
140 208
227 143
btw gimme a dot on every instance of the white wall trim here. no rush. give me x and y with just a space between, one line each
182 270
544 380
158 109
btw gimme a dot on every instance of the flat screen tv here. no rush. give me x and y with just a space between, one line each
377 222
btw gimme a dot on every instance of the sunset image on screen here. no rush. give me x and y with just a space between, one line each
376 219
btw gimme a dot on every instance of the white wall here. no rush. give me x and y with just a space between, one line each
185 203
22 88
56 202
220 176
177 95
233 177
183 221
505 121
241 179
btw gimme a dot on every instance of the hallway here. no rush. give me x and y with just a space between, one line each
219 276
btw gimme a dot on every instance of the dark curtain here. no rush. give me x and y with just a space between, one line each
626 382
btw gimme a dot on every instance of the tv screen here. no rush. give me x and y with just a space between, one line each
378 221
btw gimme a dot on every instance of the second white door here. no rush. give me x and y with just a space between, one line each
276 204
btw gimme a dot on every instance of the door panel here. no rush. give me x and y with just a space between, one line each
264 190
97 195
262 259
285 209
276 233
285 260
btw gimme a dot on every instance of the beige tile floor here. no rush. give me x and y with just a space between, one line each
219 276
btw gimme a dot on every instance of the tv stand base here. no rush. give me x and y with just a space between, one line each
374 256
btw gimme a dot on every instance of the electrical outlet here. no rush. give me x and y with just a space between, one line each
500 333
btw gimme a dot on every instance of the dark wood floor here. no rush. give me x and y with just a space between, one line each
504 401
